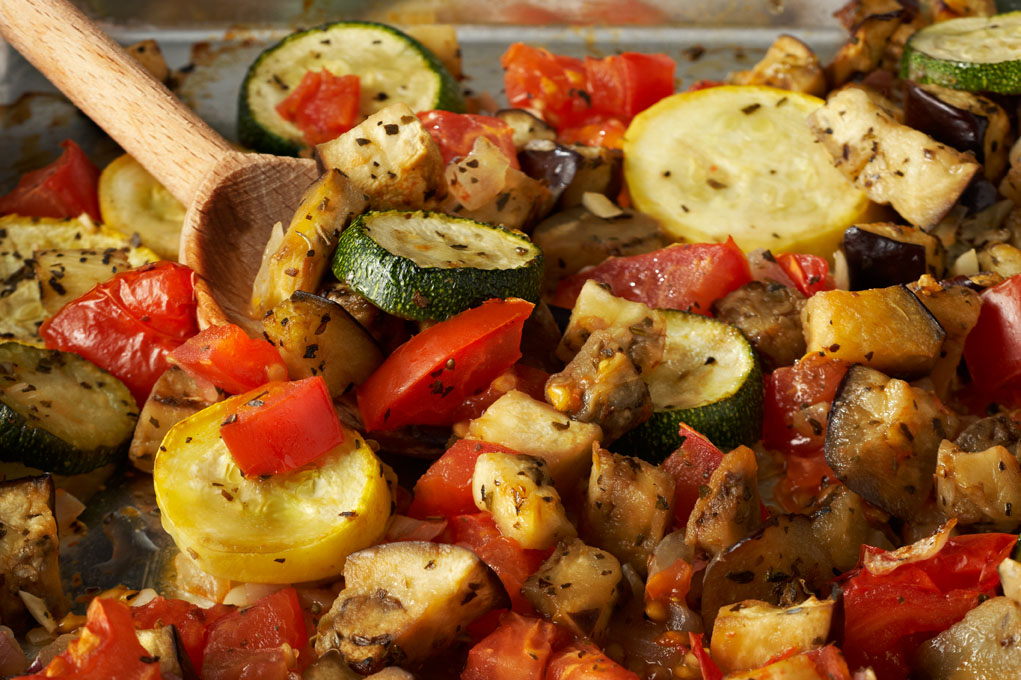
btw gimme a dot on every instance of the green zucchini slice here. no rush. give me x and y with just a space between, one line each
424 265
61 413
978 54
710 379
391 67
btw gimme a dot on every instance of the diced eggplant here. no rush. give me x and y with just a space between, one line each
526 425
892 163
602 385
841 528
984 645
554 164
570 171
540 338
576 587
298 258
628 507
68 274
526 127
1002 258
518 492
979 195
887 329
979 488
788 64
318 337
387 330
956 308
962 120
729 510
885 254
404 601
751 633
164 643
28 550
330 666
576 238
998 430
174 397
882 437
876 22
769 314
776 565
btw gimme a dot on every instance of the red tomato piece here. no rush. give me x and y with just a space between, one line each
830 663
444 365
670 584
624 85
552 85
107 649
797 402
689 277
519 649
710 671
67 187
691 466
608 132
582 660
248 643
527 379
445 488
803 481
810 273
887 616
191 621
993 347
228 358
281 426
455 133
323 106
512 563
129 324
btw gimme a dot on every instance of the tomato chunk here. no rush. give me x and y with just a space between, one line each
191 621
624 85
228 358
797 402
444 365
689 277
691 466
249 643
607 132
993 347
519 649
810 273
129 324
550 84
445 488
67 187
323 106
281 426
455 133
584 661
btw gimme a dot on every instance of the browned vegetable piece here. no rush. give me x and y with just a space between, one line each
944 10
388 331
882 438
885 254
998 430
979 488
174 397
628 507
64 275
956 308
404 601
887 329
526 126
572 170
28 550
164 643
841 528
729 510
788 64
576 587
874 23
318 337
769 314
602 385
1002 258
982 646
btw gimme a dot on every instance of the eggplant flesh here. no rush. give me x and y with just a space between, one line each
555 164
877 261
941 120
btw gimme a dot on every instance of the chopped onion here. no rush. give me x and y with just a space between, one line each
841 272
143 597
39 611
880 563
965 265
250 593
1010 578
600 206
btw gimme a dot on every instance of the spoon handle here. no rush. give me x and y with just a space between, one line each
139 112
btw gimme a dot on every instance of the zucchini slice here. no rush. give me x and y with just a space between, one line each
739 160
391 67
710 379
424 265
134 202
59 412
978 54
296 526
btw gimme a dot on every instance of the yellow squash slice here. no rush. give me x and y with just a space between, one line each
133 201
283 528
740 161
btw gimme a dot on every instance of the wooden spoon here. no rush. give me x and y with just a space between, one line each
233 198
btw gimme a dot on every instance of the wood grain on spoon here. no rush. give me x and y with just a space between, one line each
233 198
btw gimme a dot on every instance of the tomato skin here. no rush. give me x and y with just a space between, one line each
281 426
690 465
444 365
67 187
582 660
323 106
228 358
445 488
106 650
810 273
993 347
624 85
192 622
710 671
129 324
519 649
670 584
887 616
520 377
607 132
247 643
796 403
512 563
688 277
455 133
550 84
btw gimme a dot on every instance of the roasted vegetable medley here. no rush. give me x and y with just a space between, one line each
630 379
